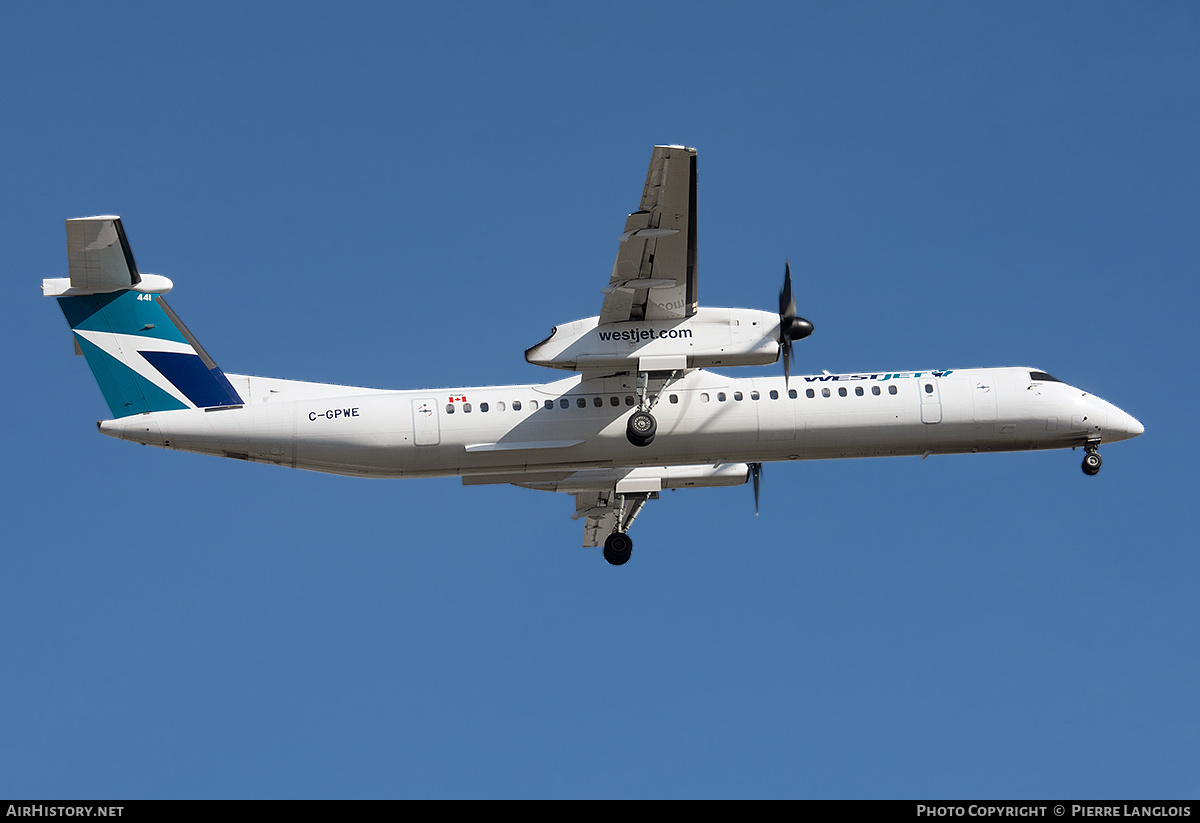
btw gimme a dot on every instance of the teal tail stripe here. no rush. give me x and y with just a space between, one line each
121 312
142 342
125 391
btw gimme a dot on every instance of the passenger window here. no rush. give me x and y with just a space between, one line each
841 391
754 394
614 401
564 402
825 392
774 394
720 397
875 390
810 393
516 405
674 398
891 389
549 404
581 402
703 397
929 388
499 405
858 390
483 407
466 408
792 394
598 402
629 400
449 408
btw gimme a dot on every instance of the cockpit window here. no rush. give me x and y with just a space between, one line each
1041 376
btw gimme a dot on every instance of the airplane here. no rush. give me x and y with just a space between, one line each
641 411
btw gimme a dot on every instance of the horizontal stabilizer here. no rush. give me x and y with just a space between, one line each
100 261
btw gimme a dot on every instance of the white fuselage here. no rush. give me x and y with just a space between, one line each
703 418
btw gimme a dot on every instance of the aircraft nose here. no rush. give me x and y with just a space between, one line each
1122 426
1132 426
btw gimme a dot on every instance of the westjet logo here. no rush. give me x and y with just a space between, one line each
881 376
638 335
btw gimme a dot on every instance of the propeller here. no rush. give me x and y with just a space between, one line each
755 474
791 327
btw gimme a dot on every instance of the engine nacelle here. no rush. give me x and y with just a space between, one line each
710 337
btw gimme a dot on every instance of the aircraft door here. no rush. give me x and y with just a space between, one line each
931 400
983 397
425 422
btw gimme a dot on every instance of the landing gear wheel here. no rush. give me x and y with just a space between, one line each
1091 463
641 428
617 548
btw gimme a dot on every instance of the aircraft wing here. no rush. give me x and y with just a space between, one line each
608 500
654 277
604 498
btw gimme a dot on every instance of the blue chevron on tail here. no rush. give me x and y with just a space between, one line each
139 351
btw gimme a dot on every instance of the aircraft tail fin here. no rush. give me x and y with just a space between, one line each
139 351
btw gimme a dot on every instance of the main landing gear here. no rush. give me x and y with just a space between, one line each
1091 458
617 548
641 426
619 545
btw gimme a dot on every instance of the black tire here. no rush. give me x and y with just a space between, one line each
1091 463
617 548
635 440
641 428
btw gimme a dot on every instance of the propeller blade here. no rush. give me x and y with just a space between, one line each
791 327
787 316
787 303
755 474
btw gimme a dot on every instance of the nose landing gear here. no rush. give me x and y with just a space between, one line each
1091 459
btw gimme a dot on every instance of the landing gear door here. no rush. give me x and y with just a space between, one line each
425 422
931 400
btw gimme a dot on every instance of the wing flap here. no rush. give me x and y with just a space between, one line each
598 515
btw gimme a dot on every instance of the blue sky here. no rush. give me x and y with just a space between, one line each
408 196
